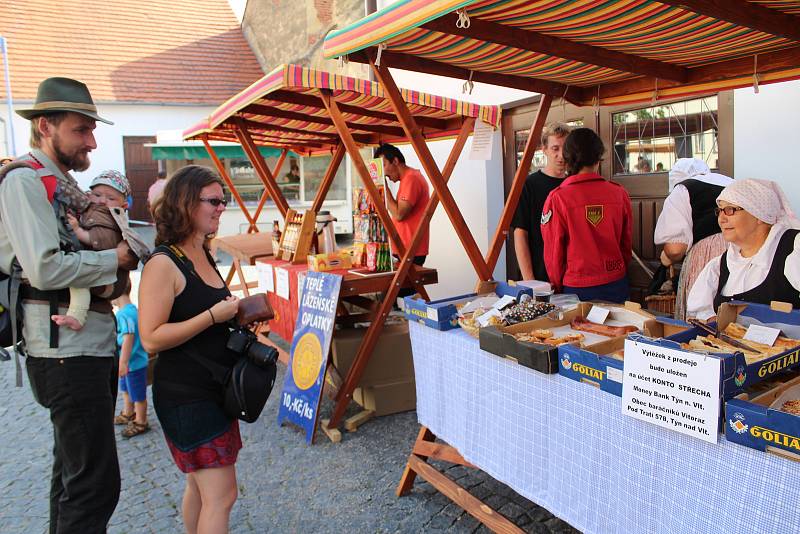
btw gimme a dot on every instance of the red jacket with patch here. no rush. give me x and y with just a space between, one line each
587 227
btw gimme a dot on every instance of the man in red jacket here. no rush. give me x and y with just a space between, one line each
587 226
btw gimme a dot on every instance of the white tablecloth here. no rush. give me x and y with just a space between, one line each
566 446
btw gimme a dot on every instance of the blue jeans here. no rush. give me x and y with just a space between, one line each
618 291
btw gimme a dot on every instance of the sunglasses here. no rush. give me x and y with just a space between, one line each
727 210
217 201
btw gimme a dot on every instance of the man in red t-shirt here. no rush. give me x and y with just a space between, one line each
408 209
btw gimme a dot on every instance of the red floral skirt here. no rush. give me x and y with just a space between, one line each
219 452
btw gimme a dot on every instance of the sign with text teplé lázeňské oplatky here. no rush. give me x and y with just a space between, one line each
673 389
308 358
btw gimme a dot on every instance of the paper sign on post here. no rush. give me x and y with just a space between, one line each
673 389
482 141
483 320
762 334
308 357
598 314
282 283
504 301
266 278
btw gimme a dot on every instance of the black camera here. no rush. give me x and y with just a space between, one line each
244 342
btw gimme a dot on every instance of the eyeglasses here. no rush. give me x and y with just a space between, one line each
217 201
727 210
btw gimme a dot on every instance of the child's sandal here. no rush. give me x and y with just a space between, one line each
134 429
123 419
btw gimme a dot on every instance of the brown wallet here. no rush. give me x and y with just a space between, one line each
254 309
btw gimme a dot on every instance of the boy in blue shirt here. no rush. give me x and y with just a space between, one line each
132 368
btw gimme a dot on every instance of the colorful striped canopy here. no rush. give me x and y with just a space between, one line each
589 51
284 110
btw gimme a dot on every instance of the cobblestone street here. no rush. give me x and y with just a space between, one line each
285 486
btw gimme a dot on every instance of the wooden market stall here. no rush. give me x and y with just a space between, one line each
584 52
314 112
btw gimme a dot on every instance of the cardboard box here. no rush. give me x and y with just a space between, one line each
544 358
330 261
388 398
443 314
736 374
758 422
391 361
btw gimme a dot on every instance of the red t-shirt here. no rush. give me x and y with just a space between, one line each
414 190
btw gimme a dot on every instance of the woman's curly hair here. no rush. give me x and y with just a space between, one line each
172 212
582 148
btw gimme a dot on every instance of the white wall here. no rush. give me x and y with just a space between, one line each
766 136
129 120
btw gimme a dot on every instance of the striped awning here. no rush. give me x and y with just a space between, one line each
284 110
589 51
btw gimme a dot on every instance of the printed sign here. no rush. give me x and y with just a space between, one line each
482 141
282 283
672 389
308 358
762 334
598 314
266 278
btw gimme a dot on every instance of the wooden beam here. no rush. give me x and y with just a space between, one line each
227 179
331 138
788 58
407 479
743 13
405 266
261 168
417 64
423 152
471 504
510 207
305 99
275 171
330 174
506 35
269 111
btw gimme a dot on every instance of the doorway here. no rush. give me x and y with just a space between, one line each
141 170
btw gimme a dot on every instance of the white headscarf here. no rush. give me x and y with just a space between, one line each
686 168
763 199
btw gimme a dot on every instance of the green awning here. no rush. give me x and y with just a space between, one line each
199 152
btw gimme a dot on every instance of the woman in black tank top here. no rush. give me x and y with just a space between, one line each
184 303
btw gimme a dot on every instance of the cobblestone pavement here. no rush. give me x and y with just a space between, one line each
284 485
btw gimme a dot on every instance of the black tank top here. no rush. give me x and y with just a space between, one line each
703 199
774 287
175 367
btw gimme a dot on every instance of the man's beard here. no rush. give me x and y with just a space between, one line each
79 161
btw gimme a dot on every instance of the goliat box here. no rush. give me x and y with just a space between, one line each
768 421
443 314
741 368
535 344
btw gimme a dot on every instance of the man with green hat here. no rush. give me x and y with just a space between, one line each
72 373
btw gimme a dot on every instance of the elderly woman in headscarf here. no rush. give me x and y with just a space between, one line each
687 226
762 260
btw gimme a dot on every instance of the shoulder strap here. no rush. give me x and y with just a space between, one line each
49 181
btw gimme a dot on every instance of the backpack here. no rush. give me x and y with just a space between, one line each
10 301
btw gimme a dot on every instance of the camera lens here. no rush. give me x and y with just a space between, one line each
261 354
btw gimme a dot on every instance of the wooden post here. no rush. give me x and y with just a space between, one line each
260 166
373 332
534 137
421 148
330 174
275 172
227 179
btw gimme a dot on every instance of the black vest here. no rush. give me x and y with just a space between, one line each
774 287
703 199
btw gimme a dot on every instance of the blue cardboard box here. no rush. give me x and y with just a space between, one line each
736 373
443 314
600 365
758 422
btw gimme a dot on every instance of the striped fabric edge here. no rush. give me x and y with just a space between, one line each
196 129
386 23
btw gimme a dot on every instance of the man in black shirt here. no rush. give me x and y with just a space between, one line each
528 242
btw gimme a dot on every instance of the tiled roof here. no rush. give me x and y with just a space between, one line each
157 51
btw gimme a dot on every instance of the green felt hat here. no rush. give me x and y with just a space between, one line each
62 94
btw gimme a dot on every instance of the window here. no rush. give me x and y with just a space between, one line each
539 161
651 139
314 171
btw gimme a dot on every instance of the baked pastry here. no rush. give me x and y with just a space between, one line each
791 406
